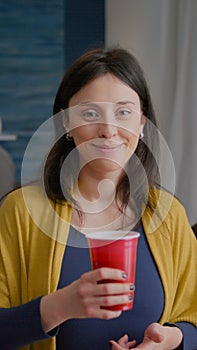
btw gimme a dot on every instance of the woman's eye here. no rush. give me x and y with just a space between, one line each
123 114
90 115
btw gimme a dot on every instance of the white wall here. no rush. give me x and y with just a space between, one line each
137 26
163 36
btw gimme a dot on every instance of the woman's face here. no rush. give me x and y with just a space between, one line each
105 121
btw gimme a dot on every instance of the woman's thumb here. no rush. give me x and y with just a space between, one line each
154 332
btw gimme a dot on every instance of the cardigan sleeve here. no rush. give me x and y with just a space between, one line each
184 313
189 335
21 326
174 248
20 321
184 255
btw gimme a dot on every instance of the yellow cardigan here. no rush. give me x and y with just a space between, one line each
33 234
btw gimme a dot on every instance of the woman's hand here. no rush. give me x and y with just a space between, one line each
84 297
156 337
123 343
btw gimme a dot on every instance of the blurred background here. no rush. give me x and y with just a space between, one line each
39 39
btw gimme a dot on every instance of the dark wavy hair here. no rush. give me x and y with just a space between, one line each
133 187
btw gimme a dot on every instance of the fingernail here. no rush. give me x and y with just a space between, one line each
131 287
130 297
124 275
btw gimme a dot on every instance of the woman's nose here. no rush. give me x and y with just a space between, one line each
107 130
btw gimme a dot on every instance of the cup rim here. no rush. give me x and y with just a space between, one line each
112 235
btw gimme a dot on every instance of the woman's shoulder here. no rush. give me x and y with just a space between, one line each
17 196
32 199
163 211
29 206
162 198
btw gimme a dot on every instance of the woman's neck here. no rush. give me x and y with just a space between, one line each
96 199
96 186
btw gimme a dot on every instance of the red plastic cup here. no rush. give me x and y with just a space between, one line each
115 249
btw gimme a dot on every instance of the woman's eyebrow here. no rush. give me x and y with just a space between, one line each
125 102
96 104
88 103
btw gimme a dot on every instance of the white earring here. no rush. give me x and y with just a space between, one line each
141 135
68 137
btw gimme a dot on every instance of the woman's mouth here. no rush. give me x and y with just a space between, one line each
105 148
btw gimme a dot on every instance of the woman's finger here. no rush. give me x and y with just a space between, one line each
117 346
87 288
104 273
107 300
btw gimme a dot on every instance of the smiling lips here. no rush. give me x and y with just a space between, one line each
108 147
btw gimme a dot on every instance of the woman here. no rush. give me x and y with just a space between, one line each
101 173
